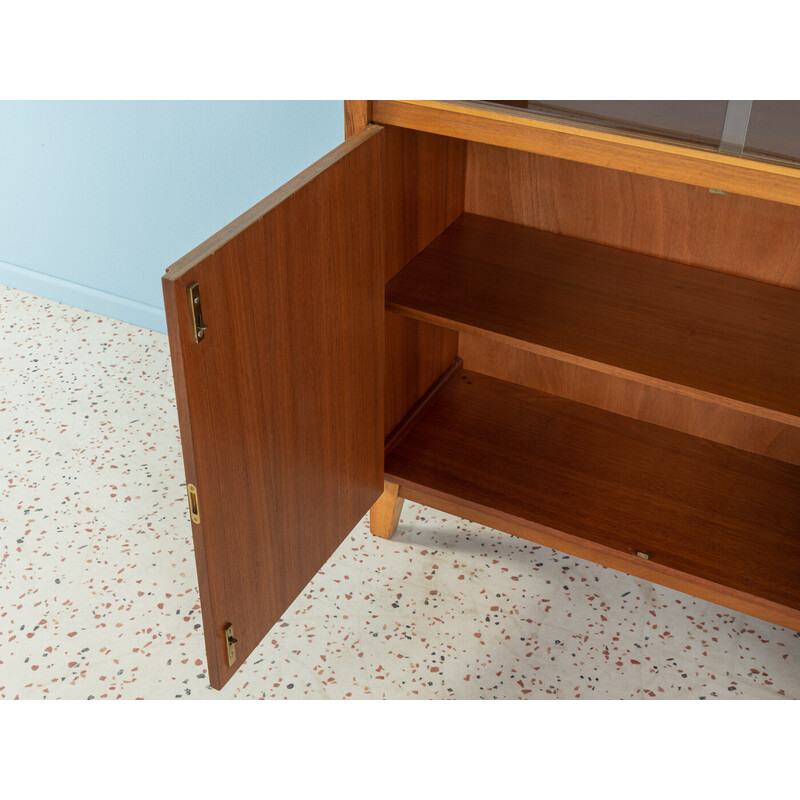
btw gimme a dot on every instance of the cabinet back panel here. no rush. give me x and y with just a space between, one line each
729 233
635 399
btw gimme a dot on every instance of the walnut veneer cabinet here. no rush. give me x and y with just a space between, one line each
584 338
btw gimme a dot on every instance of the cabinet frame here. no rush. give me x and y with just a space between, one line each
720 419
411 169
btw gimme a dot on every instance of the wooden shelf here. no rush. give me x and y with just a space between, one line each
699 332
597 484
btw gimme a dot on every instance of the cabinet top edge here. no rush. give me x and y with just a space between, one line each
476 122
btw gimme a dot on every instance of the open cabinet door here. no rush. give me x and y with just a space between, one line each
276 334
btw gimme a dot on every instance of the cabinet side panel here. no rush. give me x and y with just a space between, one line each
739 235
424 194
356 116
417 353
424 191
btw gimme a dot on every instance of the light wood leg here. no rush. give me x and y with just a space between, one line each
385 514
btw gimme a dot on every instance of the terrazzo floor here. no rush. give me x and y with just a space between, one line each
98 588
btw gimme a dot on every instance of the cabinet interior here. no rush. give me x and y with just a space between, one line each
604 357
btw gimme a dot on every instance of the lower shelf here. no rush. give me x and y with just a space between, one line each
702 517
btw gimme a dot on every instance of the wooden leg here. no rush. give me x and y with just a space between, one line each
385 514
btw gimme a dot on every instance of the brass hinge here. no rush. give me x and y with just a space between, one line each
230 643
194 506
199 328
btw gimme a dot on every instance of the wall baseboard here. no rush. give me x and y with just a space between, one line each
84 297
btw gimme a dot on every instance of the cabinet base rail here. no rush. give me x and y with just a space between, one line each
631 563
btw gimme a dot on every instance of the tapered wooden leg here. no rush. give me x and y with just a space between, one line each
385 514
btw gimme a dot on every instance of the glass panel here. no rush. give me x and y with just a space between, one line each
734 133
772 127
695 122
774 131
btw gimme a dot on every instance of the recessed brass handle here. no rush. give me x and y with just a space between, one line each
230 643
194 506
199 327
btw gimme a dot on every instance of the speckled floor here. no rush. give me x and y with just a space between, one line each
98 589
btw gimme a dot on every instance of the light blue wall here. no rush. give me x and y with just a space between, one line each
98 198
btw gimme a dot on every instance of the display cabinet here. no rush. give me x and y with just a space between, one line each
579 334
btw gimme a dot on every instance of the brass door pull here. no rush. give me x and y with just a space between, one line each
199 328
230 644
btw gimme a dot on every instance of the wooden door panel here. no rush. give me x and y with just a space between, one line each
281 403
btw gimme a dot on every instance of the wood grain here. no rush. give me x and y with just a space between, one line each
706 334
281 406
729 233
424 194
356 116
632 398
417 353
517 130
710 514
418 409
424 191
385 514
